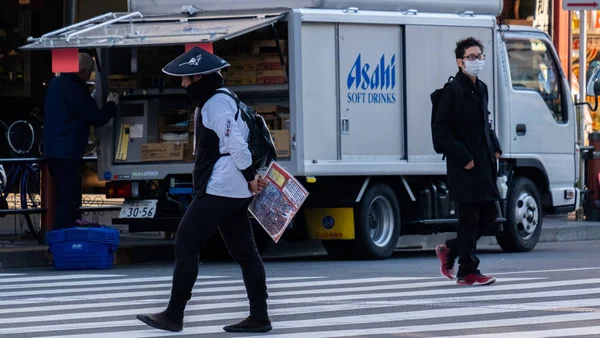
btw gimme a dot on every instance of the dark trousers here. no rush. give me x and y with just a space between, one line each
204 215
66 174
474 220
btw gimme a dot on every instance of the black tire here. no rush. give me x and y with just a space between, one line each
378 222
524 217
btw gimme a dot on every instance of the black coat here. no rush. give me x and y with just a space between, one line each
70 111
467 135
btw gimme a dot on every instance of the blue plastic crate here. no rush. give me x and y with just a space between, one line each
83 248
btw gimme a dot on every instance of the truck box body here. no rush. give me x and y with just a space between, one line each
345 87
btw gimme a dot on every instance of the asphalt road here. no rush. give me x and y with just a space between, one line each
553 291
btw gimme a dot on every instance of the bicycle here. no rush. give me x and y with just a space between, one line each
23 178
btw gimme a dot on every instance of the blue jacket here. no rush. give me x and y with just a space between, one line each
69 113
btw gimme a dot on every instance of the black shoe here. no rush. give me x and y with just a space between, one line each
250 325
162 321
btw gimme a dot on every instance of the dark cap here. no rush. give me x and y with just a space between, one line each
196 61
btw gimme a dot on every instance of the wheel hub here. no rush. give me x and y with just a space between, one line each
527 215
381 221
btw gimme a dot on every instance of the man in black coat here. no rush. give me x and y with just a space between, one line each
70 111
472 150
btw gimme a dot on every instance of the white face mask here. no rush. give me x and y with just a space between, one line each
475 67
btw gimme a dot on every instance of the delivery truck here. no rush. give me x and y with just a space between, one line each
344 86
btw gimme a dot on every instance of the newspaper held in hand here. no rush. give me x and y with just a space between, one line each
277 204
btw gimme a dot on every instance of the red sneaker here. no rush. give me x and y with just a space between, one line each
447 267
475 279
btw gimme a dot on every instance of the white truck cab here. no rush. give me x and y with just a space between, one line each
356 128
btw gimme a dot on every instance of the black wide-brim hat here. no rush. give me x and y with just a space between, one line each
195 61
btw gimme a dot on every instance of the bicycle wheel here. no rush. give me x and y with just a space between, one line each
30 188
20 137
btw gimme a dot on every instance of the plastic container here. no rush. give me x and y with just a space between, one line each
82 248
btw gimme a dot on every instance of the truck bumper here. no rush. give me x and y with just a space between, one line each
166 224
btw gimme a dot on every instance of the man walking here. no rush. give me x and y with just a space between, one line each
70 111
224 182
472 150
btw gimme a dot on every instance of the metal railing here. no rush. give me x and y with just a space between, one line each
31 160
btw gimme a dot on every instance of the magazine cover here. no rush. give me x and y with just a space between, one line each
276 205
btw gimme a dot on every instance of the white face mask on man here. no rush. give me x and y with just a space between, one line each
474 67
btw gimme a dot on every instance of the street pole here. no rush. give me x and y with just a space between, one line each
582 99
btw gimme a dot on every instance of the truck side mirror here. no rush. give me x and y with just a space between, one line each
593 85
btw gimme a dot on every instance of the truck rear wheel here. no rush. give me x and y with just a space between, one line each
377 226
524 217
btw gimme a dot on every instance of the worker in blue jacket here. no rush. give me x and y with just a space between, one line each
70 111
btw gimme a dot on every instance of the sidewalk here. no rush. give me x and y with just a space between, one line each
151 247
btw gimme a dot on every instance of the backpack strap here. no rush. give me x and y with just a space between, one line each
458 98
232 95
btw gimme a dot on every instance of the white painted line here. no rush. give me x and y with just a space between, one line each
351 320
455 301
453 289
570 332
445 327
3 275
202 290
543 271
54 278
139 280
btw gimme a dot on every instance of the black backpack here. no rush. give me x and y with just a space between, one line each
435 100
260 141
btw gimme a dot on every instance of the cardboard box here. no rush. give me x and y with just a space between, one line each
282 142
269 66
243 63
255 62
271 76
241 77
268 46
155 152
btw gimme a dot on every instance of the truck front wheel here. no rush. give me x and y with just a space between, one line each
377 226
524 217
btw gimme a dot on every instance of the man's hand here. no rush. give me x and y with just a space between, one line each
470 165
497 155
113 97
262 183
253 186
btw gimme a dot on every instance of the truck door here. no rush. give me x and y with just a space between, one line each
371 106
541 116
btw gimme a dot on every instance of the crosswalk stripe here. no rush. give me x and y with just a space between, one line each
200 290
139 280
54 278
570 332
452 290
352 320
337 307
542 271
4 275
309 306
549 319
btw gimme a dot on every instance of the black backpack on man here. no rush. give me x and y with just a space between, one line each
260 141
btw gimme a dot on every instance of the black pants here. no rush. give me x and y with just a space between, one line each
204 215
474 220
67 186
